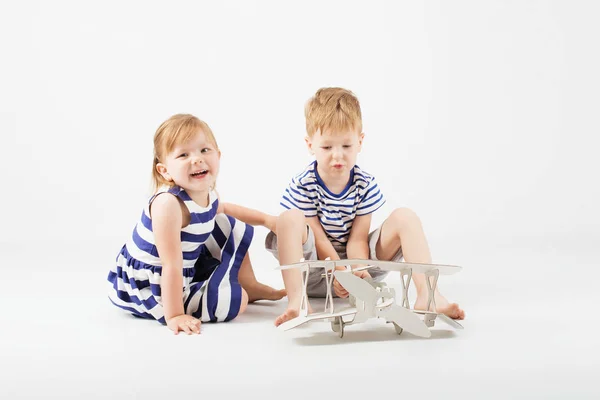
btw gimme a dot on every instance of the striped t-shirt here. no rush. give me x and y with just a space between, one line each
307 192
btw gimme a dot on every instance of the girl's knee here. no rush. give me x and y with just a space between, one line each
244 302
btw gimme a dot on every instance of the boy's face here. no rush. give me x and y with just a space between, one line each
335 152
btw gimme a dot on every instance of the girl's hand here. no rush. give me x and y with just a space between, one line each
185 323
271 223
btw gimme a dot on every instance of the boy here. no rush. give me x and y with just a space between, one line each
329 207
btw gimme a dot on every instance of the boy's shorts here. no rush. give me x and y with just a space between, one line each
317 285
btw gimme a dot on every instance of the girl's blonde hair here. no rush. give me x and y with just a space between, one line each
175 131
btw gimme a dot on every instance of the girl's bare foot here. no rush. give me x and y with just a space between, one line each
442 305
258 291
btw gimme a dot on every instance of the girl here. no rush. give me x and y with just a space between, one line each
164 271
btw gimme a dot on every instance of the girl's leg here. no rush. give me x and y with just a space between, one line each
221 295
256 290
402 229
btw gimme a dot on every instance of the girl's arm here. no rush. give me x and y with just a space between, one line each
251 216
166 224
247 215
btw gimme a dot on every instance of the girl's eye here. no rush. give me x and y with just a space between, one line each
326 147
182 155
205 150
347 146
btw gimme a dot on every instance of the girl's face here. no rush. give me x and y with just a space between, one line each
193 165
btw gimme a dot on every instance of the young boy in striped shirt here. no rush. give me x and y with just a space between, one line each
329 207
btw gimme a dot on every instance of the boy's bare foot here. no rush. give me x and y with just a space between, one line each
259 291
290 313
442 305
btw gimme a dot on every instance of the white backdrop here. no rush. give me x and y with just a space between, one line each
481 116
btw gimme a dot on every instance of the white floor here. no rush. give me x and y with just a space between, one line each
531 331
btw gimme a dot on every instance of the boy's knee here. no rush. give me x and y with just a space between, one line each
291 217
404 216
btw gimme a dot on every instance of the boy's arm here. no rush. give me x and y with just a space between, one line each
324 247
358 243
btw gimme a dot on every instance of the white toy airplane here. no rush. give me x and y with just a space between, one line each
372 299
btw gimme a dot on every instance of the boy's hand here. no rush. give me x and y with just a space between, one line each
364 274
185 323
339 290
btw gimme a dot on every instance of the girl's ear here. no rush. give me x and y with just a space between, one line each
162 170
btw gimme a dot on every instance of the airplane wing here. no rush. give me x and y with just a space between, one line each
292 323
450 321
310 263
443 269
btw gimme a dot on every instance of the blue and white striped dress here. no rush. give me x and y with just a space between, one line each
136 276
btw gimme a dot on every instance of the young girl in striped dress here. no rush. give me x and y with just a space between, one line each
164 272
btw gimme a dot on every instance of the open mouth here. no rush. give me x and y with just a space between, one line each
200 173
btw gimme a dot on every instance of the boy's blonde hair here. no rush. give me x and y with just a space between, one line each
333 109
174 131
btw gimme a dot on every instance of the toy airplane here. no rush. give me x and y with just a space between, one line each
369 300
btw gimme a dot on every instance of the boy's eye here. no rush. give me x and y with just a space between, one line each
205 150
182 155
326 147
347 146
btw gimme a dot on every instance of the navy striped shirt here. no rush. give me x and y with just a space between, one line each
336 212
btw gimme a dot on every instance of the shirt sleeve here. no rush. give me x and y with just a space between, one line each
299 196
371 198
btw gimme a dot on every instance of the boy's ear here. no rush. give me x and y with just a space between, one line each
309 144
360 140
162 170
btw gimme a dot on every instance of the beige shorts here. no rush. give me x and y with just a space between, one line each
317 285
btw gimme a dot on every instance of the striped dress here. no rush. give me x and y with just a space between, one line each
208 293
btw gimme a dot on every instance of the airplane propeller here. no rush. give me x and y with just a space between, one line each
401 316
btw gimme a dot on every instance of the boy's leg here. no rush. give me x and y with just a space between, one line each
403 230
291 235
256 290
